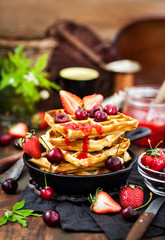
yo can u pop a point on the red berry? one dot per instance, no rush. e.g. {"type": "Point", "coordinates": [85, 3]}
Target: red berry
{"type": "Point", "coordinates": [154, 159]}
{"type": "Point", "coordinates": [38, 121]}
{"type": "Point", "coordinates": [92, 100]}
{"type": "Point", "coordinates": [31, 146]}
{"type": "Point", "coordinates": [5, 139]}
{"type": "Point", "coordinates": [146, 160]}
{"type": "Point", "coordinates": [81, 114]}
{"type": "Point", "coordinates": [129, 213]}
{"type": "Point", "coordinates": [55, 155]}
{"type": "Point", "coordinates": [157, 164]}
{"type": "Point", "coordinates": [61, 117]}
{"type": "Point", "coordinates": [70, 101]}
{"type": "Point", "coordinates": [103, 203]}
{"type": "Point", "coordinates": [51, 217]}
{"type": "Point", "coordinates": [113, 163]}
{"type": "Point", "coordinates": [96, 108]}
{"type": "Point", "coordinates": [47, 193]}
{"type": "Point", "coordinates": [10, 185]}
{"type": "Point", "coordinates": [18, 130]}
{"type": "Point", "coordinates": [16, 143]}
{"type": "Point", "coordinates": [111, 109]}
{"type": "Point", "coordinates": [100, 116]}
{"type": "Point", "coordinates": [131, 195]}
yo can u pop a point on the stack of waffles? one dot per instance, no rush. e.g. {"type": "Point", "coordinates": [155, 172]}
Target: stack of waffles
{"type": "Point", "coordinates": [85, 144]}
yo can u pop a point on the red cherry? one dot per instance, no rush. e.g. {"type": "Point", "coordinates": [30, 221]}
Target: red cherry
{"type": "Point", "coordinates": [55, 155]}
{"type": "Point", "coordinates": [95, 109]}
{"type": "Point", "coordinates": [47, 193]}
{"type": "Point", "coordinates": [16, 144]}
{"type": "Point", "coordinates": [81, 114]}
{"type": "Point", "coordinates": [100, 116]}
{"type": "Point", "coordinates": [61, 118]}
{"type": "Point", "coordinates": [10, 185]}
{"type": "Point", "coordinates": [5, 139]}
{"type": "Point", "coordinates": [129, 213]}
{"type": "Point", "coordinates": [63, 173]}
{"type": "Point", "coordinates": [51, 217]}
{"type": "Point", "coordinates": [111, 109]}
{"type": "Point", "coordinates": [113, 163]}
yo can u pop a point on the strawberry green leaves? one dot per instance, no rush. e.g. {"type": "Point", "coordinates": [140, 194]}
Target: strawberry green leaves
{"type": "Point", "coordinates": [16, 214]}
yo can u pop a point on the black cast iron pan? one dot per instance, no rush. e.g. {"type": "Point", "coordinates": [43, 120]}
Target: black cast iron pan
{"type": "Point", "coordinates": [83, 185]}
{"type": "Point", "coordinates": [80, 185]}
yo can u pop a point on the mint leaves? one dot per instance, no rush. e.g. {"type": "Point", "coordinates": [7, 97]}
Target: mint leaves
{"type": "Point", "coordinates": [17, 215]}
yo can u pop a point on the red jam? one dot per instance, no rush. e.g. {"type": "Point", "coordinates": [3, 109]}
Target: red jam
{"type": "Point", "coordinates": [87, 130]}
{"type": "Point", "coordinates": [157, 126]}
{"type": "Point", "coordinates": [140, 104]}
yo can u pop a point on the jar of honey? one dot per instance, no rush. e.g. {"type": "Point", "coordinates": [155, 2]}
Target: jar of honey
{"type": "Point", "coordinates": [139, 103]}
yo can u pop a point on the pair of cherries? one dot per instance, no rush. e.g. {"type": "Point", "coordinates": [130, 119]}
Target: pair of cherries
{"type": "Point", "coordinates": [98, 112]}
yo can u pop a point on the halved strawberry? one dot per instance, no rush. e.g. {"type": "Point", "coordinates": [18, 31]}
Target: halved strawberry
{"type": "Point", "coordinates": [103, 203]}
{"type": "Point", "coordinates": [92, 100]}
{"type": "Point", "coordinates": [18, 130]}
{"type": "Point", "coordinates": [70, 101]}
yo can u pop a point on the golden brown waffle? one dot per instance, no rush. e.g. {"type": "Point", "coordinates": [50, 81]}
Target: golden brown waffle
{"type": "Point", "coordinates": [95, 157]}
{"type": "Point", "coordinates": [77, 129]}
{"type": "Point", "coordinates": [53, 139]}
{"type": "Point", "coordinates": [69, 168]}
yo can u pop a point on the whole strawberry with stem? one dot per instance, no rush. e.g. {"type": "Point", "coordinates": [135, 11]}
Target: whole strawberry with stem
{"type": "Point", "coordinates": [131, 195]}
{"type": "Point", "coordinates": [154, 158]}
{"type": "Point", "coordinates": [102, 203]}
{"type": "Point", "coordinates": [31, 145]}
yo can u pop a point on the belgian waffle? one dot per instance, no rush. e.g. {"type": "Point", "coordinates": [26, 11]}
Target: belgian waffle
{"type": "Point", "coordinates": [78, 129]}
{"type": "Point", "coordinates": [69, 168]}
{"type": "Point", "coordinates": [53, 139]}
{"type": "Point", "coordinates": [96, 157]}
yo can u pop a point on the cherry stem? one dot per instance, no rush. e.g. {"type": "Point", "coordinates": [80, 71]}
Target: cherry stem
{"type": "Point", "coordinates": [45, 143]}
{"type": "Point", "coordinates": [119, 145]}
{"type": "Point", "coordinates": [46, 186]}
{"type": "Point", "coordinates": [149, 141]}
{"type": "Point", "coordinates": [1, 180]}
{"type": "Point", "coordinates": [89, 102]}
{"type": "Point", "coordinates": [159, 143]}
{"type": "Point", "coordinates": [145, 203]}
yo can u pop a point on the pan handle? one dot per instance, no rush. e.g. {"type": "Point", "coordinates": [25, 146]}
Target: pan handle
{"type": "Point", "coordinates": [138, 133]}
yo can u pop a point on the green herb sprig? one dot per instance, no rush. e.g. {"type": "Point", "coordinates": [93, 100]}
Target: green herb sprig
{"type": "Point", "coordinates": [17, 215]}
{"type": "Point", "coordinates": [21, 81]}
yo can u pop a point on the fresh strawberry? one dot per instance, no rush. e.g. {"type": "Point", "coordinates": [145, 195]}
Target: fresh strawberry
{"type": "Point", "coordinates": [18, 130]}
{"type": "Point", "coordinates": [30, 145]}
{"type": "Point", "coordinates": [92, 100]}
{"type": "Point", "coordinates": [38, 121]}
{"type": "Point", "coordinates": [70, 101]}
{"type": "Point", "coordinates": [131, 195]}
{"type": "Point", "coordinates": [154, 159]}
{"type": "Point", "coordinates": [103, 203]}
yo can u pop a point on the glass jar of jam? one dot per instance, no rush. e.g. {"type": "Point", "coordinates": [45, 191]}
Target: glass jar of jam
{"type": "Point", "coordinates": [139, 104]}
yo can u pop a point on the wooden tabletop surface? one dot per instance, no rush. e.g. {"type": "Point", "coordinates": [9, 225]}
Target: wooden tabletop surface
{"type": "Point", "coordinates": [36, 229]}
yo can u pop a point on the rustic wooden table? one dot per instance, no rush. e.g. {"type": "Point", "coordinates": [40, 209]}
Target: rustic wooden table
{"type": "Point", "coordinates": [36, 229]}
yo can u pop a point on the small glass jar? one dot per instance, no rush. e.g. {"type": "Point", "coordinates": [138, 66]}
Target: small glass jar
{"type": "Point", "coordinates": [139, 104]}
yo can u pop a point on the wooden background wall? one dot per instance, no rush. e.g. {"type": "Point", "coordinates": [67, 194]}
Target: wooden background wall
{"type": "Point", "coordinates": [30, 18]}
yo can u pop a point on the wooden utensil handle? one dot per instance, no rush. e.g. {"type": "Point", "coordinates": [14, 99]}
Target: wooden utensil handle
{"type": "Point", "coordinates": [94, 57]}
{"type": "Point", "coordinates": [140, 226]}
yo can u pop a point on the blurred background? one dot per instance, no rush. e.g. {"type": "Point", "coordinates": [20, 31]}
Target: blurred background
{"type": "Point", "coordinates": [39, 38]}
{"type": "Point", "coordinates": [113, 29]}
